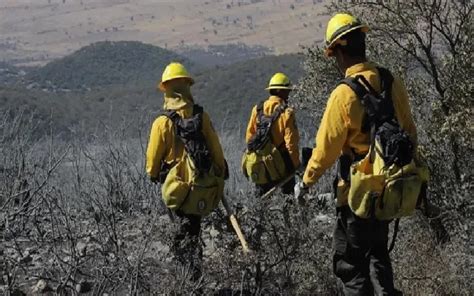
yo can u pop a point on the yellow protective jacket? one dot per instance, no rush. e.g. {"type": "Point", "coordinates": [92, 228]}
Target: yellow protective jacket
{"type": "Point", "coordinates": [163, 145]}
{"type": "Point", "coordinates": [340, 128]}
{"type": "Point", "coordinates": [284, 130]}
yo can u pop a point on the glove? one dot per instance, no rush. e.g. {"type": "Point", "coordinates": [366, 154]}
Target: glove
{"type": "Point", "coordinates": [300, 190]}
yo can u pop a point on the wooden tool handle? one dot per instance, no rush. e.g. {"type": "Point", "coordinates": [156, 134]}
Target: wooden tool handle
{"type": "Point", "coordinates": [274, 188]}
{"type": "Point", "coordinates": [235, 225]}
{"type": "Point", "coordinates": [240, 235]}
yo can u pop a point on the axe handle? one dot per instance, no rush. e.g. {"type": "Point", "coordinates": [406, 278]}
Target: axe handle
{"type": "Point", "coordinates": [274, 188]}
{"type": "Point", "coordinates": [170, 215]}
{"type": "Point", "coordinates": [236, 226]}
{"type": "Point", "coordinates": [238, 231]}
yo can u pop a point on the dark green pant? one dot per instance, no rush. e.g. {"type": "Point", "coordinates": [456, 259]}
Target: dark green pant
{"type": "Point", "coordinates": [361, 259]}
{"type": "Point", "coordinates": [186, 245]}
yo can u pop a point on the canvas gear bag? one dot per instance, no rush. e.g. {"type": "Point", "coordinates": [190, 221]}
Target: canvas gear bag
{"type": "Point", "coordinates": [191, 184]}
{"type": "Point", "coordinates": [262, 162]}
{"type": "Point", "coordinates": [386, 183]}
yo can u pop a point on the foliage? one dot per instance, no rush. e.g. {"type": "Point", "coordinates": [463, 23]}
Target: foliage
{"type": "Point", "coordinates": [9, 74]}
{"type": "Point", "coordinates": [221, 55]}
{"type": "Point", "coordinates": [228, 93]}
{"type": "Point", "coordinates": [321, 76]}
{"type": "Point", "coordinates": [105, 63]}
{"type": "Point", "coordinates": [74, 113]}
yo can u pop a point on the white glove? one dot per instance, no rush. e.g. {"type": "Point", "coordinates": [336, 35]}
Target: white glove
{"type": "Point", "coordinates": [300, 190]}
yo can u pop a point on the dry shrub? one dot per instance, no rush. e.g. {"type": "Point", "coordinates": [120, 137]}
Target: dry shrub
{"type": "Point", "coordinates": [90, 219]}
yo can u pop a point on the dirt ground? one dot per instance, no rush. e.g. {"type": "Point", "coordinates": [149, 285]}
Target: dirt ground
{"type": "Point", "coordinates": [37, 31]}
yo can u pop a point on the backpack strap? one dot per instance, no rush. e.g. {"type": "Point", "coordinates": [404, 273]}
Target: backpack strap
{"type": "Point", "coordinates": [174, 116]}
{"type": "Point", "coordinates": [176, 119]}
{"type": "Point", "coordinates": [260, 108]}
{"type": "Point", "coordinates": [260, 113]}
{"type": "Point", "coordinates": [378, 106]}
{"type": "Point", "coordinates": [386, 83]}
{"type": "Point", "coordinates": [276, 113]}
{"type": "Point", "coordinates": [264, 124]}
{"type": "Point", "coordinates": [198, 109]}
{"type": "Point", "coordinates": [356, 86]}
{"type": "Point", "coordinates": [189, 132]}
{"type": "Point", "coordinates": [166, 167]}
{"type": "Point", "coordinates": [279, 110]}
{"type": "Point", "coordinates": [361, 92]}
{"type": "Point", "coordinates": [171, 114]}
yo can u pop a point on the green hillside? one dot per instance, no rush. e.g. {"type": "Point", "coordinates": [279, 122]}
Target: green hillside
{"type": "Point", "coordinates": [10, 74]}
{"type": "Point", "coordinates": [105, 63]}
{"type": "Point", "coordinates": [121, 78]}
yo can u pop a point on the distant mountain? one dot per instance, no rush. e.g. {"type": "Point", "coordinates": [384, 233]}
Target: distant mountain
{"type": "Point", "coordinates": [104, 64]}
{"type": "Point", "coordinates": [122, 78]}
{"type": "Point", "coordinates": [10, 74]}
{"type": "Point", "coordinates": [35, 32]}
{"type": "Point", "coordinates": [227, 54]}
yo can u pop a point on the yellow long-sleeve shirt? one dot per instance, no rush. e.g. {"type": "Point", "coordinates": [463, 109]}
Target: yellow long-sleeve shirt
{"type": "Point", "coordinates": [164, 145]}
{"type": "Point", "coordinates": [340, 128]}
{"type": "Point", "coordinates": [284, 130]}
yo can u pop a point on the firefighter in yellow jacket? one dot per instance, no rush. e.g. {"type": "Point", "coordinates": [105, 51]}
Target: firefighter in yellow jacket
{"type": "Point", "coordinates": [164, 150]}
{"type": "Point", "coordinates": [361, 259]}
{"type": "Point", "coordinates": [284, 132]}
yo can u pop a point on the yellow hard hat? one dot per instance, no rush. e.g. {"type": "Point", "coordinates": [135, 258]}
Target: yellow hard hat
{"type": "Point", "coordinates": [279, 81]}
{"type": "Point", "coordinates": [339, 25]}
{"type": "Point", "coordinates": [174, 71]}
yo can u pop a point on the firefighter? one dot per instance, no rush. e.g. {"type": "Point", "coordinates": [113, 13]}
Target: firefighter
{"type": "Point", "coordinates": [166, 149]}
{"type": "Point", "coordinates": [275, 115]}
{"type": "Point", "coordinates": [361, 259]}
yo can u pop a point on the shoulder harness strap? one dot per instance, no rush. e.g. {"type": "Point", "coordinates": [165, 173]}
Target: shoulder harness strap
{"type": "Point", "coordinates": [378, 106]}
{"type": "Point", "coordinates": [260, 113]}
{"type": "Point", "coordinates": [386, 82]}
{"type": "Point", "coordinates": [370, 98]}
{"type": "Point", "coordinates": [174, 117]}
{"type": "Point", "coordinates": [184, 128]}
{"type": "Point", "coordinates": [278, 111]}
{"type": "Point", "coordinates": [197, 109]}
{"type": "Point", "coordinates": [275, 115]}
{"type": "Point", "coordinates": [171, 114]}
{"type": "Point", "coordinates": [356, 86]}
{"type": "Point", "coordinates": [264, 124]}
